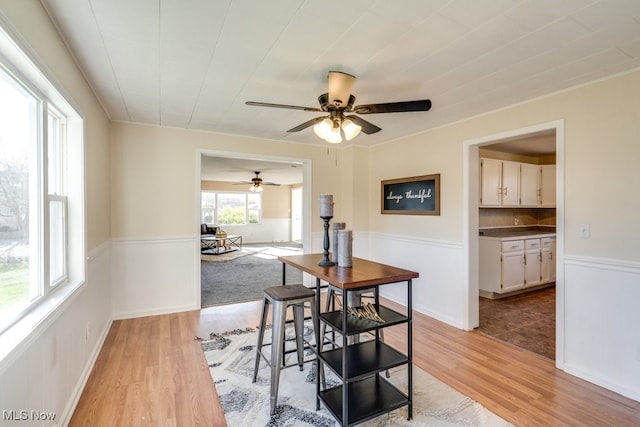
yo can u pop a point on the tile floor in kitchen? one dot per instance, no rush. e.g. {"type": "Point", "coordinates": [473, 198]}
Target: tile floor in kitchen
{"type": "Point", "coordinates": [526, 320]}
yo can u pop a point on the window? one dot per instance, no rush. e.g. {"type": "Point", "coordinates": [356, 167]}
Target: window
{"type": "Point", "coordinates": [230, 208]}
{"type": "Point", "coordinates": [40, 146]}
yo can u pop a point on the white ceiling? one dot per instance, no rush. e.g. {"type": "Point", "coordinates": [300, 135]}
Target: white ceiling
{"type": "Point", "coordinates": [243, 170]}
{"type": "Point", "coordinates": [193, 64]}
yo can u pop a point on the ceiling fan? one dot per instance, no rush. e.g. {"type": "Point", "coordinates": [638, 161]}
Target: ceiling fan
{"type": "Point", "coordinates": [257, 183]}
{"type": "Point", "coordinates": [339, 101]}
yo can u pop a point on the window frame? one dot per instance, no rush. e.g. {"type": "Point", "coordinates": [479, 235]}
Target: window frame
{"type": "Point", "coordinates": [215, 220]}
{"type": "Point", "coordinates": [23, 71]}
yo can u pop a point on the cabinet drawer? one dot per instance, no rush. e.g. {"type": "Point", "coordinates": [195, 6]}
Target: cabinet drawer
{"type": "Point", "coordinates": [547, 242]}
{"type": "Point", "coordinates": [513, 245]}
{"type": "Point", "coordinates": [532, 243]}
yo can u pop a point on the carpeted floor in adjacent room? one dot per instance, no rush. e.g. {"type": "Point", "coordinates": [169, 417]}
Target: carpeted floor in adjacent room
{"type": "Point", "coordinates": [244, 275]}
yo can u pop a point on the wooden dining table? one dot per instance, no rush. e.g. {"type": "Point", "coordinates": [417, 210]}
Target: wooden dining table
{"type": "Point", "coordinates": [363, 394]}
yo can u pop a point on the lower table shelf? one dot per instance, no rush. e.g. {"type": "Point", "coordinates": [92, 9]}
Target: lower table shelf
{"type": "Point", "coordinates": [368, 399]}
{"type": "Point", "coordinates": [364, 358]}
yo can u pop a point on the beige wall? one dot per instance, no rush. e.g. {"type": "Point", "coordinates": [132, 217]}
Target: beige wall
{"type": "Point", "coordinates": [602, 127]}
{"type": "Point", "coordinates": [155, 183]}
{"type": "Point", "coordinates": [276, 200]}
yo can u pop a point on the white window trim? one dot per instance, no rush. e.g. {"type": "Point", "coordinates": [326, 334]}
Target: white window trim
{"type": "Point", "coordinates": [19, 60]}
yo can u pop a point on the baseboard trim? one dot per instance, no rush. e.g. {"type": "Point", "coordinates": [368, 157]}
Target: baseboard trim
{"type": "Point", "coordinates": [155, 312]}
{"type": "Point", "coordinates": [84, 377]}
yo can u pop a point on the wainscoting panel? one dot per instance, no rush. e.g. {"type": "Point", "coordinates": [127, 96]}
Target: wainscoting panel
{"type": "Point", "coordinates": [440, 291]}
{"type": "Point", "coordinates": [48, 370]}
{"type": "Point", "coordinates": [602, 342]}
{"type": "Point", "coordinates": [269, 230]}
{"type": "Point", "coordinates": [155, 276]}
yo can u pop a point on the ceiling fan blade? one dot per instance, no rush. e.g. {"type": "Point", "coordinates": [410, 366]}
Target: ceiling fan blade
{"type": "Point", "coordinates": [307, 124]}
{"type": "Point", "coordinates": [289, 107]}
{"type": "Point", "coordinates": [393, 107]}
{"type": "Point", "coordinates": [367, 127]}
{"type": "Point", "coordinates": [340, 86]}
{"type": "Point", "coordinates": [271, 183]}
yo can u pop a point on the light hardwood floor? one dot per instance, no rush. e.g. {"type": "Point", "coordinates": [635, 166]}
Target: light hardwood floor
{"type": "Point", "coordinates": [151, 371]}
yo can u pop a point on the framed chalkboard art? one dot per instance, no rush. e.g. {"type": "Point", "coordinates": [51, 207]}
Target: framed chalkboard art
{"type": "Point", "coordinates": [418, 195]}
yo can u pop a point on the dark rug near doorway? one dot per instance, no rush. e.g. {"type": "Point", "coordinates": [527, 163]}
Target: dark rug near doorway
{"type": "Point", "coordinates": [526, 320]}
{"type": "Point", "coordinates": [244, 278]}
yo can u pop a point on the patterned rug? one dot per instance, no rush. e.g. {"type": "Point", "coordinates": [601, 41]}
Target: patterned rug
{"type": "Point", "coordinates": [231, 359]}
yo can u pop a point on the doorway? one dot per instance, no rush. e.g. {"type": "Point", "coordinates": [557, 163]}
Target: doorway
{"type": "Point", "coordinates": [472, 150]}
{"type": "Point", "coordinates": [266, 230]}
{"type": "Point", "coordinates": [296, 214]}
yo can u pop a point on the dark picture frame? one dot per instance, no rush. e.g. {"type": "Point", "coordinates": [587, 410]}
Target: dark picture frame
{"type": "Point", "coordinates": [416, 195]}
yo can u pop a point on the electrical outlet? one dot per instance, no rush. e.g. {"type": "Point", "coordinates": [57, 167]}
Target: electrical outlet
{"type": "Point", "coordinates": [584, 231]}
{"type": "Point", "coordinates": [87, 331]}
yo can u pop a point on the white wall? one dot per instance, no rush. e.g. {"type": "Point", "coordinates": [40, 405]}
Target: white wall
{"type": "Point", "coordinates": [269, 230]}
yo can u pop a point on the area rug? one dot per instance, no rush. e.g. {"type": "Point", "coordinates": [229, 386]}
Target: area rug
{"type": "Point", "coordinates": [244, 278]}
{"type": "Point", "coordinates": [231, 359]}
{"type": "Point", "coordinates": [209, 256]}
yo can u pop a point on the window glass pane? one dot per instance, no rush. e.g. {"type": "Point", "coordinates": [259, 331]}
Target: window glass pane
{"type": "Point", "coordinates": [254, 207]}
{"type": "Point", "coordinates": [231, 208]}
{"type": "Point", "coordinates": [55, 154]}
{"type": "Point", "coordinates": [57, 241]}
{"type": "Point", "coordinates": [19, 200]}
{"type": "Point", "coordinates": [208, 207]}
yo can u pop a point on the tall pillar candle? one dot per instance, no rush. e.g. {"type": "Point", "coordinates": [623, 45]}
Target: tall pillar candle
{"type": "Point", "coordinates": [326, 205]}
{"type": "Point", "coordinates": [337, 226]}
{"type": "Point", "coordinates": [345, 257]}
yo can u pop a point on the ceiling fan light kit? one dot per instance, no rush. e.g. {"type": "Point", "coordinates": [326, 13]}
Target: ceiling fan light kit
{"type": "Point", "coordinates": [333, 130]}
{"type": "Point", "coordinates": [339, 100]}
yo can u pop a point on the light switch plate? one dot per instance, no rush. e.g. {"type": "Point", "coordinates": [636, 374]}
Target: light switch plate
{"type": "Point", "coordinates": [584, 231]}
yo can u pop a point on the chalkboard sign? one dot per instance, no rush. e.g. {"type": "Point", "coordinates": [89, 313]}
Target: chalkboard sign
{"type": "Point", "coordinates": [418, 195]}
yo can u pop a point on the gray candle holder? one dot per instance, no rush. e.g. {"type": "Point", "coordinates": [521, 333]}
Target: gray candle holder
{"type": "Point", "coordinates": [326, 262]}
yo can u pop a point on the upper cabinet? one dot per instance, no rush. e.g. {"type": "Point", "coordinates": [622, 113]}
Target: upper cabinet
{"type": "Point", "coordinates": [490, 182]}
{"type": "Point", "coordinates": [547, 191]}
{"type": "Point", "coordinates": [513, 184]}
{"type": "Point", "coordinates": [500, 183]}
{"type": "Point", "coordinates": [529, 185]}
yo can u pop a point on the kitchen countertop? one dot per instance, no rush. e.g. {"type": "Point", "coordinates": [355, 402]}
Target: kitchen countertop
{"type": "Point", "coordinates": [518, 232]}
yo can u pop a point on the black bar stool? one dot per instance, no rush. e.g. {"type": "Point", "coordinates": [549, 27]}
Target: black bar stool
{"type": "Point", "coordinates": [281, 298]}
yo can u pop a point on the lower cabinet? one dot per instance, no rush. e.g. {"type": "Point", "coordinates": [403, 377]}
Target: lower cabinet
{"type": "Point", "coordinates": [548, 260]}
{"type": "Point", "coordinates": [512, 265]}
{"type": "Point", "coordinates": [532, 262]}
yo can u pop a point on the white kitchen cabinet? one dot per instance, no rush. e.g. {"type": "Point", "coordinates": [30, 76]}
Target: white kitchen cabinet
{"type": "Point", "coordinates": [499, 183]}
{"type": "Point", "coordinates": [508, 265]}
{"type": "Point", "coordinates": [513, 267]}
{"type": "Point", "coordinates": [510, 184]}
{"type": "Point", "coordinates": [548, 260]}
{"type": "Point", "coordinates": [547, 189]}
{"type": "Point", "coordinates": [532, 260]}
{"type": "Point", "coordinates": [529, 186]}
{"type": "Point", "coordinates": [490, 182]}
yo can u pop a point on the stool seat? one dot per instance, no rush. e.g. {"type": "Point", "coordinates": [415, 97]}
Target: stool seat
{"type": "Point", "coordinates": [288, 292]}
{"type": "Point", "coordinates": [281, 298]}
